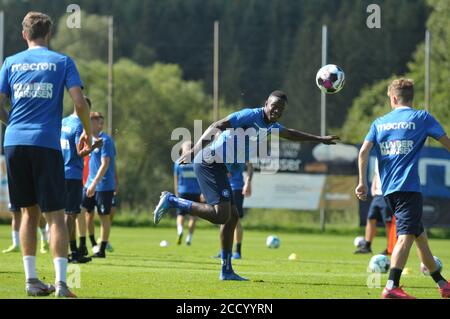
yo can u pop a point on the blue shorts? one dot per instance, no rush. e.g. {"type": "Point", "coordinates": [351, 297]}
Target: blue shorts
{"type": "Point", "coordinates": [191, 197]}
{"type": "Point", "coordinates": [379, 209]}
{"type": "Point", "coordinates": [101, 200]}
{"type": "Point", "coordinates": [239, 201]}
{"type": "Point", "coordinates": [408, 208]}
{"type": "Point", "coordinates": [213, 181]}
{"type": "Point", "coordinates": [73, 196]}
{"type": "Point", "coordinates": [35, 176]}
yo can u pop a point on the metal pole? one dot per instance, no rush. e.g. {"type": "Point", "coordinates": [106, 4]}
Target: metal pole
{"type": "Point", "coordinates": [216, 72]}
{"type": "Point", "coordinates": [2, 34]}
{"type": "Point", "coordinates": [427, 70]}
{"type": "Point", "coordinates": [427, 73]}
{"type": "Point", "coordinates": [110, 72]}
{"type": "Point", "coordinates": [323, 129]}
{"type": "Point", "coordinates": [323, 97]}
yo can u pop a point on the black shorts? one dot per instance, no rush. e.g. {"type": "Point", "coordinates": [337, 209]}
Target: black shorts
{"type": "Point", "coordinates": [213, 181]}
{"type": "Point", "coordinates": [191, 197]}
{"type": "Point", "coordinates": [114, 201]}
{"type": "Point", "coordinates": [408, 208]}
{"type": "Point", "coordinates": [239, 201]}
{"type": "Point", "coordinates": [73, 196]}
{"type": "Point", "coordinates": [380, 209]}
{"type": "Point", "coordinates": [35, 176]}
{"type": "Point", "coordinates": [102, 200]}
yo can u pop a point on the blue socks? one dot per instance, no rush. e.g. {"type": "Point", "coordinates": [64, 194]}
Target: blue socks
{"type": "Point", "coordinates": [180, 203]}
{"type": "Point", "coordinates": [226, 262]}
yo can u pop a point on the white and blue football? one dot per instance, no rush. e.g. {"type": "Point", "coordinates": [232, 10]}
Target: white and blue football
{"type": "Point", "coordinates": [424, 270]}
{"type": "Point", "coordinates": [272, 241]}
{"type": "Point", "coordinates": [379, 264]}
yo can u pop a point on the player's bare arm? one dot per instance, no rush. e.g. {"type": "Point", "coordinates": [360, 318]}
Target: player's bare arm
{"type": "Point", "coordinates": [101, 172]}
{"type": "Point", "coordinates": [445, 141]}
{"type": "Point", "coordinates": [247, 189]}
{"type": "Point", "coordinates": [374, 185]}
{"type": "Point", "coordinates": [116, 177]}
{"type": "Point", "coordinates": [206, 138]}
{"type": "Point", "coordinates": [298, 136]}
{"type": "Point", "coordinates": [82, 111]}
{"type": "Point", "coordinates": [4, 115]}
{"type": "Point", "coordinates": [363, 159]}
{"type": "Point", "coordinates": [175, 184]}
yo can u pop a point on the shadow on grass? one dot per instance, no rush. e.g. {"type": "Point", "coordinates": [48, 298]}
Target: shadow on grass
{"type": "Point", "coordinates": [172, 260]}
{"type": "Point", "coordinates": [329, 284]}
{"type": "Point", "coordinates": [172, 266]}
{"type": "Point", "coordinates": [11, 272]}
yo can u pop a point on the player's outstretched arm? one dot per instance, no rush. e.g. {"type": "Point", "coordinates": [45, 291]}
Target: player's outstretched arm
{"type": "Point", "coordinates": [445, 141]}
{"type": "Point", "coordinates": [363, 160]}
{"type": "Point", "coordinates": [294, 135]}
{"type": "Point", "coordinates": [206, 138]}
{"type": "Point", "coordinates": [4, 115]}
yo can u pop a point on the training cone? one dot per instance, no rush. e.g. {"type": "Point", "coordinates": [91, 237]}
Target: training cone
{"type": "Point", "coordinates": [406, 271]}
{"type": "Point", "coordinates": [292, 256]}
{"type": "Point", "coordinates": [392, 236]}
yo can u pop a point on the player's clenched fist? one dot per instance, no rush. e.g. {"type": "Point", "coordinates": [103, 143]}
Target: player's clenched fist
{"type": "Point", "coordinates": [361, 192]}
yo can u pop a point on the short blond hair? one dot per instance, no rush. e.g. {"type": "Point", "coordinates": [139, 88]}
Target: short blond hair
{"type": "Point", "coordinates": [37, 25]}
{"type": "Point", "coordinates": [403, 89]}
{"type": "Point", "coordinates": [96, 115]}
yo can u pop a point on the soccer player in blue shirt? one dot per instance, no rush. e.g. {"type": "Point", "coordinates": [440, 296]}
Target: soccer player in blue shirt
{"type": "Point", "coordinates": [241, 188]}
{"type": "Point", "coordinates": [100, 186]}
{"type": "Point", "coordinates": [185, 186]}
{"type": "Point", "coordinates": [378, 209]}
{"type": "Point", "coordinates": [73, 152]}
{"type": "Point", "coordinates": [34, 81]}
{"type": "Point", "coordinates": [398, 138]}
{"type": "Point", "coordinates": [211, 172]}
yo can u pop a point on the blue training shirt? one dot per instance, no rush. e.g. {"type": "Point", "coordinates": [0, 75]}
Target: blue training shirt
{"type": "Point", "coordinates": [71, 131]}
{"type": "Point", "coordinates": [34, 80]}
{"type": "Point", "coordinates": [398, 138]}
{"type": "Point", "coordinates": [187, 181]}
{"type": "Point", "coordinates": [236, 176]}
{"type": "Point", "coordinates": [241, 145]}
{"type": "Point", "coordinates": [108, 182]}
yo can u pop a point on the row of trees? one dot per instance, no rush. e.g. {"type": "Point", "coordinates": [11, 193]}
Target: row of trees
{"type": "Point", "coordinates": [164, 65]}
{"type": "Point", "coordinates": [264, 44]}
{"type": "Point", "coordinates": [373, 102]}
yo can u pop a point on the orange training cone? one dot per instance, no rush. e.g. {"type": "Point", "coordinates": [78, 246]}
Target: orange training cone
{"type": "Point", "coordinates": [392, 236]}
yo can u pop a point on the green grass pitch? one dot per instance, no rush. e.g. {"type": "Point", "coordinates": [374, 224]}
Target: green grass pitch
{"type": "Point", "coordinates": [140, 268]}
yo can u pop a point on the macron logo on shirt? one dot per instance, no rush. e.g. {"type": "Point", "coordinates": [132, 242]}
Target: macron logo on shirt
{"type": "Point", "coordinates": [396, 126]}
{"type": "Point", "coordinates": [24, 67]}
